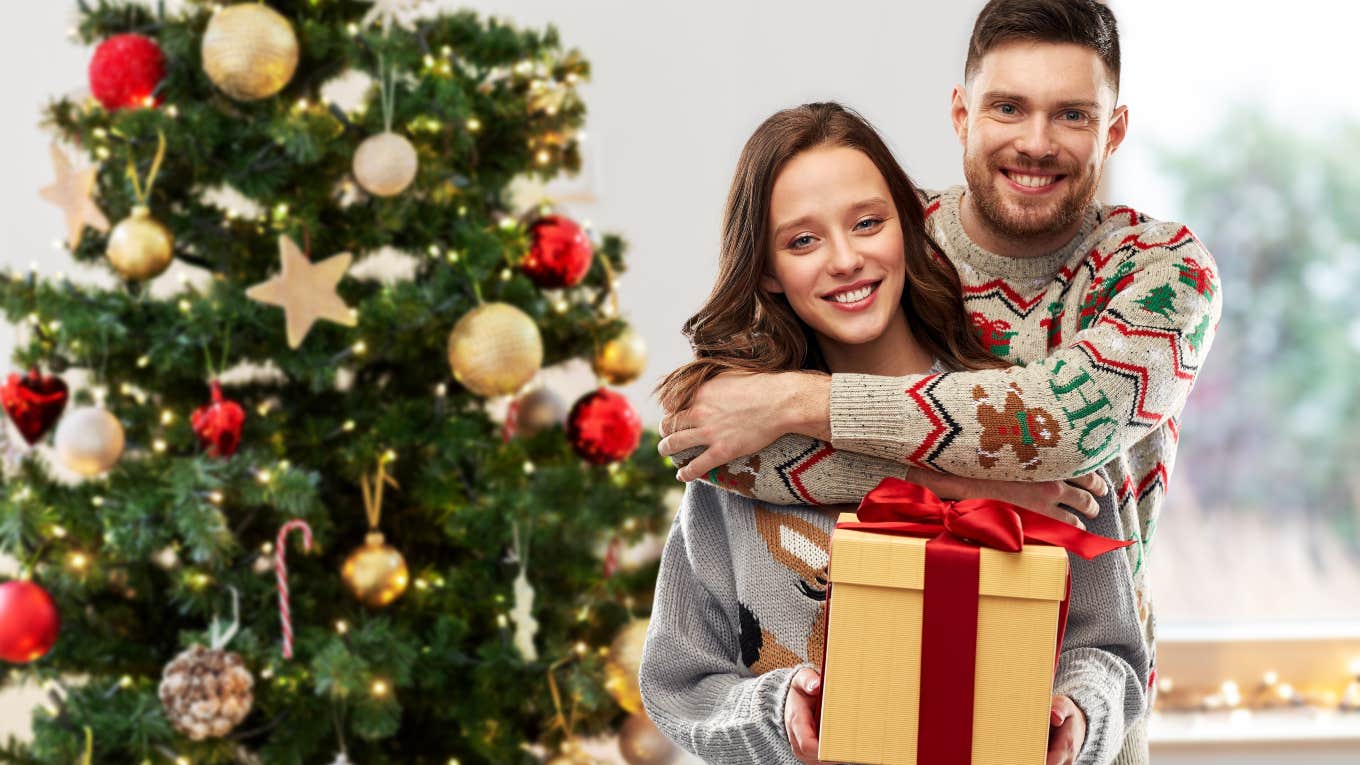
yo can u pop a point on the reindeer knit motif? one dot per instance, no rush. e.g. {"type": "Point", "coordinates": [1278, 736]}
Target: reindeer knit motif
{"type": "Point", "coordinates": [739, 609]}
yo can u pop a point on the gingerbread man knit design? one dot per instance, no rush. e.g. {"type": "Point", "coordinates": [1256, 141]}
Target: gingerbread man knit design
{"type": "Point", "coordinates": [1017, 426]}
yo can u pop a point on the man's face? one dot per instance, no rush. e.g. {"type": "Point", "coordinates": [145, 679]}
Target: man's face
{"type": "Point", "coordinates": [1037, 122]}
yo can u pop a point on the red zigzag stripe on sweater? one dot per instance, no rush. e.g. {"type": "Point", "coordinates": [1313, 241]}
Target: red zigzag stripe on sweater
{"type": "Point", "coordinates": [938, 430]}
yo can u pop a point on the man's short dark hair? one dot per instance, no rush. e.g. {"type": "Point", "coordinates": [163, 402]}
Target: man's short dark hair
{"type": "Point", "coordinates": [1088, 23]}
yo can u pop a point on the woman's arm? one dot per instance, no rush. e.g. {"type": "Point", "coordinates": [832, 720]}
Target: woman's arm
{"type": "Point", "coordinates": [693, 683]}
{"type": "Point", "coordinates": [1104, 663]}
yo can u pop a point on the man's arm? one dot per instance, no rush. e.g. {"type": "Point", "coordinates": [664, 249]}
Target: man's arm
{"type": "Point", "coordinates": [1128, 370]}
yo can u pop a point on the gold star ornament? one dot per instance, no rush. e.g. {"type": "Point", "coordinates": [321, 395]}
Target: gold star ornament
{"type": "Point", "coordinates": [305, 291]}
{"type": "Point", "coordinates": [73, 193]}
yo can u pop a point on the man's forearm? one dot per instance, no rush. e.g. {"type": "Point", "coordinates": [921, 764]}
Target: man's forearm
{"type": "Point", "coordinates": [808, 398]}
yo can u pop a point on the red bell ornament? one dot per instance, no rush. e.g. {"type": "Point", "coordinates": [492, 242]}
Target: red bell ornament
{"type": "Point", "coordinates": [219, 424]}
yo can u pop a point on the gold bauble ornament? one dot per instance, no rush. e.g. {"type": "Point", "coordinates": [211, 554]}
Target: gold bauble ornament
{"type": "Point", "coordinates": [621, 360]}
{"type": "Point", "coordinates": [623, 665]}
{"type": "Point", "coordinates": [641, 743]}
{"type": "Point", "coordinates": [495, 349]}
{"type": "Point", "coordinates": [89, 440]}
{"type": "Point", "coordinates": [385, 164]}
{"type": "Point", "coordinates": [376, 572]}
{"type": "Point", "coordinates": [140, 247]}
{"type": "Point", "coordinates": [249, 51]}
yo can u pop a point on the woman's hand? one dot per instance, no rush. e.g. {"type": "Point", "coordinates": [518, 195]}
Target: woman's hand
{"type": "Point", "coordinates": [1066, 732]}
{"type": "Point", "coordinates": [1056, 499]}
{"type": "Point", "coordinates": [801, 710]}
{"type": "Point", "coordinates": [733, 415]}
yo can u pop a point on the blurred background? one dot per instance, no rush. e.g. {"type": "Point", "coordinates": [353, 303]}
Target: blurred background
{"type": "Point", "coordinates": [1244, 125]}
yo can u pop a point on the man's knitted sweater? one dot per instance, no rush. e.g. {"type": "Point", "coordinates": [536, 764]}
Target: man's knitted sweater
{"type": "Point", "coordinates": [1107, 335]}
{"type": "Point", "coordinates": [738, 610]}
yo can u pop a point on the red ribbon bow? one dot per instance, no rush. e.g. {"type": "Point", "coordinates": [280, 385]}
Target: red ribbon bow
{"type": "Point", "coordinates": [949, 620]}
{"type": "Point", "coordinates": [901, 507]}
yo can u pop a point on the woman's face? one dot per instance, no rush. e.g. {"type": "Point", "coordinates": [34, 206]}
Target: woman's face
{"type": "Point", "coordinates": [836, 245]}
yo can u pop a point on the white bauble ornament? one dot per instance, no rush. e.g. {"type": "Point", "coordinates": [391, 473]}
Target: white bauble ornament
{"type": "Point", "coordinates": [89, 440]}
{"type": "Point", "coordinates": [385, 164]}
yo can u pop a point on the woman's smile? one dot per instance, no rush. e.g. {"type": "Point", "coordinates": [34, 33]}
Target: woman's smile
{"type": "Point", "coordinates": [854, 297]}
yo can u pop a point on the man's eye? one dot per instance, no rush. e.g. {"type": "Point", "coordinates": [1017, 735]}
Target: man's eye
{"type": "Point", "coordinates": [1074, 116]}
{"type": "Point", "coordinates": [1006, 108]}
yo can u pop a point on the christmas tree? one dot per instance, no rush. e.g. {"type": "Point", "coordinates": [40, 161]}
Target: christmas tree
{"type": "Point", "coordinates": [281, 519]}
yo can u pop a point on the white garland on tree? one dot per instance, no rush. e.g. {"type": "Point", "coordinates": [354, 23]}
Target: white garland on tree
{"type": "Point", "coordinates": [403, 12]}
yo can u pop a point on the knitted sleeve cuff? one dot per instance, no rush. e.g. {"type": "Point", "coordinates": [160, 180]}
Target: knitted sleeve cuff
{"type": "Point", "coordinates": [869, 415]}
{"type": "Point", "coordinates": [1096, 681]}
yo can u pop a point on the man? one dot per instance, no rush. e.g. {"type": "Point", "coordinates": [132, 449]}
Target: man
{"type": "Point", "coordinates": [1106, 313]}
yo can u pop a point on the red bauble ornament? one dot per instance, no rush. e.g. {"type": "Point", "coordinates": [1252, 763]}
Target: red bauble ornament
{"type": "Point", "coordinates": [29, 622]}
{"type": "Point", "coordinates": [604, 427]}
{"type": "Point", "coordinates": [218, 424]}
{"type": "Point", "coordinates": [559, 252]}
{"type": "Point", "coordinates": [125, 71]}
{"type": "Point", "coordinates": [34, 402]}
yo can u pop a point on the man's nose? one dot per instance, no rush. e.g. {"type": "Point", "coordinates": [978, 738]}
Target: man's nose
{"type": "Point", "coordinates": [1036, 138]}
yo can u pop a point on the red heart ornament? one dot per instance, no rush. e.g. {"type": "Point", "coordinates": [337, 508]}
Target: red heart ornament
{"type": "Point", "coordinates": [34, 402]}
{"type": "Point", "coordinates": [218, 424]}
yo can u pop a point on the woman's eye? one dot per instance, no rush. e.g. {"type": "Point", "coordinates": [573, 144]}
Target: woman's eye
{"type": "Point", "coordinates": [801, 242]}
{"type": "Point", "coordinates": [868, 223]}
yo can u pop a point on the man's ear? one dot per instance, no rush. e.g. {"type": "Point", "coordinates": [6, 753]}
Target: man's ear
{"type": "Point", "coordinates": [769, 283]}
{"type": "Point", "coordinates": [1119, 127]}
{"type": "Point", "coordinates": [958, 113]}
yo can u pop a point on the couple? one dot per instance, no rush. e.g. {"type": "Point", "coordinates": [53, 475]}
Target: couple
{"type": "Point", "coordinates": [1012, 339]}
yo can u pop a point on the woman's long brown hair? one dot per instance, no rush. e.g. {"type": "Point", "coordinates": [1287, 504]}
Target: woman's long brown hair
{"type": "Point", "coordinates": [742, 327]}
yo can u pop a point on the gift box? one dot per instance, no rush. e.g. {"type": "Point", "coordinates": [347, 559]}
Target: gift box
{"type": "Point", "coordinates": [943, 629]}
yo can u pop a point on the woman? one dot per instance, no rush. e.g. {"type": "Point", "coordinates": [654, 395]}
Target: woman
{"type": "Point", "coordinates": [826, 266]}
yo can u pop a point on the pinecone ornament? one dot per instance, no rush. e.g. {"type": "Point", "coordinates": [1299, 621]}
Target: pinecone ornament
{"type": "Point", "coordinates": [206, 692]}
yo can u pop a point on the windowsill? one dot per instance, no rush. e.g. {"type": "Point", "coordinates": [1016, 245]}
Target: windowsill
{"type": "Point", "coordinates": [1244, 726]}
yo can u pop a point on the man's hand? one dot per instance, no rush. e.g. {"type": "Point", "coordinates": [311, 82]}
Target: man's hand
{"type": "Point", "coordinates": [801, 711]}
{"type": "Point", "coordinates": [737, 413]}
{"type": "Point", "coordinates": [1066, 732]}
{"type": "Point", "coordinates": [1056, 499]}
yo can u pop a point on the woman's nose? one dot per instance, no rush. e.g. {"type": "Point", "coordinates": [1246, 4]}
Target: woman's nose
{"type": "Point", "coordinates": [844, 257]}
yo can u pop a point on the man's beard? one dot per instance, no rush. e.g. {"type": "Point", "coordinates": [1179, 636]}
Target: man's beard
{"type": "Point", "coordinates": [1028, 222]}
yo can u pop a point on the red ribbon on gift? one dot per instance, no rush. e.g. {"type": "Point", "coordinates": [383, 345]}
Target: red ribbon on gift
{"type": "Point", "coordinates": [958, 531]}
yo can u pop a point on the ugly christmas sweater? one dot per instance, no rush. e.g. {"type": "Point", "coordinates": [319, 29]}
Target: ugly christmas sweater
{"type": "Point", "coordinates": [1107, 335]}
{"type": "Point", "coordinates": [739, 609]}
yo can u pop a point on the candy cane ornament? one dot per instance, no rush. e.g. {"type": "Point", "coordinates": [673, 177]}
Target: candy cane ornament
{"type": "Point", "coordinates": [281, 570]}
